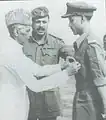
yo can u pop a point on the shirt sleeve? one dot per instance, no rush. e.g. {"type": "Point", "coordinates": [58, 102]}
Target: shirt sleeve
{"type": "Point", "coordinates": [48, 70]}
{"type": "Point", "coordinates": [97, 63]}
{"type": "Point", "coordinates": [26, 69]}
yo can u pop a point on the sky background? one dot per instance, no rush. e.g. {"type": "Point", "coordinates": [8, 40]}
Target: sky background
{"type": "Point", "coordinates": [57, 26]}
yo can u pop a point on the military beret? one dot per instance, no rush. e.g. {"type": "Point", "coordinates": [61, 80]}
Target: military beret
{"type": "Point", "coordinates": [79, 8]}
{"type": "Point", "coordinates": [40, 12]}
{"type": "Point", "coordinates": [18, 16]}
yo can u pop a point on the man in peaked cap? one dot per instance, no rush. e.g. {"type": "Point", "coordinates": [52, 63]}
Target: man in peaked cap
{"type": "Point", "coordinates": [43, 49]}
{"type": "Point", "coordinates": [17, 71]}
{"type": "Point", "coordinates": [90, 99]}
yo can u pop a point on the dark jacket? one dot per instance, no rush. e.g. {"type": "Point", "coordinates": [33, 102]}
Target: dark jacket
{"type": "Point", "coordinates": [87, 101]}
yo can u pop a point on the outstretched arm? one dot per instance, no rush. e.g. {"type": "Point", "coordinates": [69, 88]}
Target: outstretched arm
{"type": "Point", "coordinates": [26, 69]}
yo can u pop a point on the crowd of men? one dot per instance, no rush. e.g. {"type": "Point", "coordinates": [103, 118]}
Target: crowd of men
{"type": "Point", "coordinates": [36, 57]}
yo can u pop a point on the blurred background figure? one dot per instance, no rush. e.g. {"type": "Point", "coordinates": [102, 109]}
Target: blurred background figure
{"type": "Point", "coordinates": [104, 44]}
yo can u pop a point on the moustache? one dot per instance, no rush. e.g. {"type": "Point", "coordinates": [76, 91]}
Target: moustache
{"type": "Point", "coordinates": [41, 28]}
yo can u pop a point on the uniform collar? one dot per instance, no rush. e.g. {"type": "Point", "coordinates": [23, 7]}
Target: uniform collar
{"type": "Point", "coordinates": [81, 39]}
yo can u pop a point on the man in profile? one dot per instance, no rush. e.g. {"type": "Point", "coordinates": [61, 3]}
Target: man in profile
{"type": "Point", "coordinates": [17, 71]}
{"type": "Point", "coordinates": [90, 98]}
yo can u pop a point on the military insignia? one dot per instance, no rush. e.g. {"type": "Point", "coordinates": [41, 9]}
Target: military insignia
{"type": "Point", "coordinates": [18, 16]}
{"type": "Point", "coordinates": [42, 13]}
{"type": "Point", "coordinates": [26, 15]}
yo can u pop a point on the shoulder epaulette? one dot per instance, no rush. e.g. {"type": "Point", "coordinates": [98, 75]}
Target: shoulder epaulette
{"type": "Point", "coordinates": [56, 37]}
{"type": "Point", "coordinates": [94, 42]}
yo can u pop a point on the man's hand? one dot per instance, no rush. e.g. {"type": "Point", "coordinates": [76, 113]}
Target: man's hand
{"type": "Point", "coordinates": [71, 65]}
{"type": "Point", "coordinates": [102, 93]}
{"type": "Point", "coordinates": [73, 68]}
{"type": "Point", "coordinates": [104, 110]}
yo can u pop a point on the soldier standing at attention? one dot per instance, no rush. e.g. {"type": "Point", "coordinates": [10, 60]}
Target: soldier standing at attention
{"type": "Point", "coordinates": [90, 99]}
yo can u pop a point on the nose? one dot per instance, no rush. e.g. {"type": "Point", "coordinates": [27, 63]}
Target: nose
{"type": "Point", "coordinates": [70, 24]}
{"type": "Point", "coordinates": [41, 24]}
{"type": "Point", "coordinates": [28, 29]}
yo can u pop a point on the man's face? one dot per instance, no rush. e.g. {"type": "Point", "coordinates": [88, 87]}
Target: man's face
{"type": "Point", "coordinates": [23, 33]}
{"type": "Point", "coordinates": [75, 23]}
{"type": "Point", "coordinates": [40, 26]}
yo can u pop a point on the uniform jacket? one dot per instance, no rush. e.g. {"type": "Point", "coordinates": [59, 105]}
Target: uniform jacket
{"type": "Point", "coordinates": [89, 53]}
{"type": "Point", "coordinates": [44, 54]}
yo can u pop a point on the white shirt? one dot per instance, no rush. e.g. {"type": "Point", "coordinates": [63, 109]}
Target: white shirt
{"type": "Point", "coordinates": [16, 72]}
{"type": "Point", "coordinates": [14, 59]}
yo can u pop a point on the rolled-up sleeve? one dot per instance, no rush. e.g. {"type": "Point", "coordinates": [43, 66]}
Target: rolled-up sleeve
{"type": "Point", "coordinates": [97, 64]}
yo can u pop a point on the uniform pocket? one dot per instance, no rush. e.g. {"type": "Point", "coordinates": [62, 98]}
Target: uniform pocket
{"type": "Point", "coordinates": [51, 101]}
{"type": "Point", "coordinates": [50, 56]}
{"type": "Point", "coordinates": [51, 51]}
{"type": "Point", "coordinates": [82, 97]}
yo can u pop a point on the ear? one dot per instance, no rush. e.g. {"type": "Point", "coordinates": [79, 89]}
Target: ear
{"type": "Point", "coordinates": [15, 32]}
{"type": "Point", "coordinates": [83, 19]}
{"type": "Point", "coordinates": [48, 20]}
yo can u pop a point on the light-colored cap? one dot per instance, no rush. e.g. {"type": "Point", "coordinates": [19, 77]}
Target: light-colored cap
{"type": "Point", "coordinates": [18, 16]}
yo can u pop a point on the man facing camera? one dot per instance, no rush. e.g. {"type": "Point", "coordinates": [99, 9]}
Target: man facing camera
{"type": "Point", "coordinates": [43, 49]}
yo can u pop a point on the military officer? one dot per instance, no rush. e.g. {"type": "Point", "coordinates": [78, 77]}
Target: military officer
{"type": "Point", "coordinates": [43, 49]}
{"type": "Point", "coordinates": [89, 100]}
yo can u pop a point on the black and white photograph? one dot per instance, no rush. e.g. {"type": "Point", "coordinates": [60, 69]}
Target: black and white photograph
{"type": "Point", "coordinates": [53, 60]}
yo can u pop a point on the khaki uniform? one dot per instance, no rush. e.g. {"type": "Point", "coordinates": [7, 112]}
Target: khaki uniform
{"type": "Point", "coordinates": [45, 104]}
{"type": "Point", "coordinates": [88, 104]}
{"type": "Point", "coordinates": [87, 101]}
